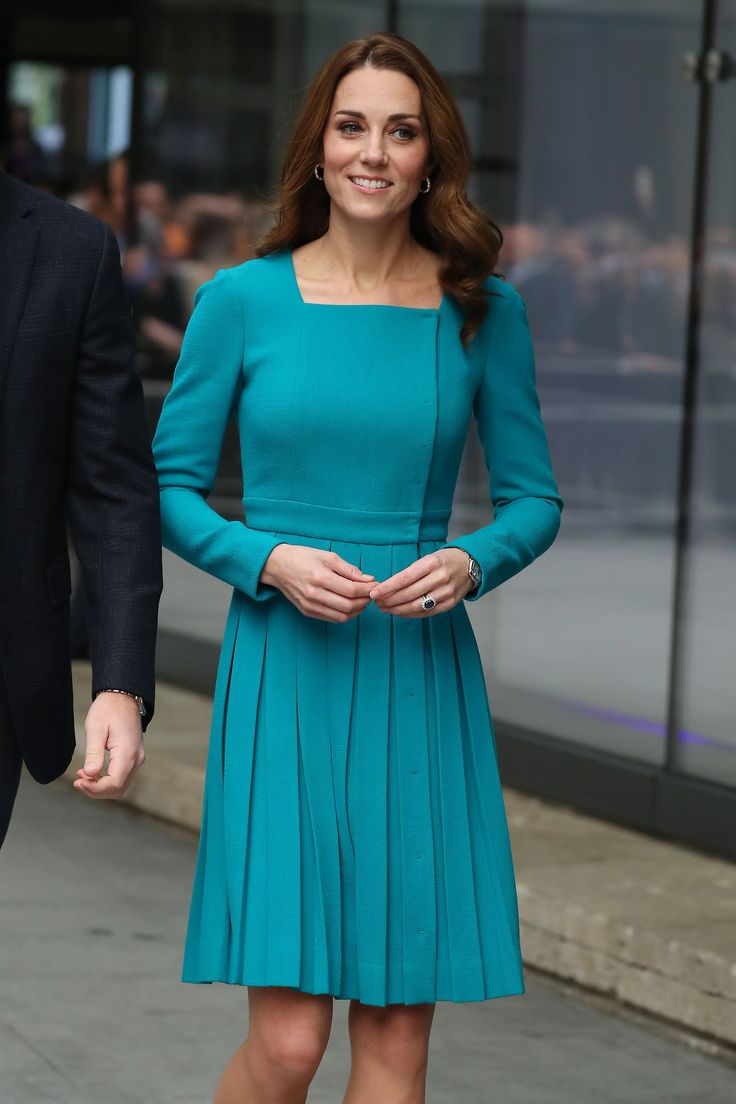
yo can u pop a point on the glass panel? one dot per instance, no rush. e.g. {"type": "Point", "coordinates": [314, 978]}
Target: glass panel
{"type": "Point", "coordinates": [707, 721]}
{"type": "Point", "coordinates": [584, 130]}
{"type": "Point", "coordinates": [64, 122]}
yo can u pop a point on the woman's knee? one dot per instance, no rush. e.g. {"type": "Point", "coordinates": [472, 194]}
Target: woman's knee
{"type": "Point", "coordinates": [288, 1032]}
{"type": "Point", "coordinates": [396, 1036]}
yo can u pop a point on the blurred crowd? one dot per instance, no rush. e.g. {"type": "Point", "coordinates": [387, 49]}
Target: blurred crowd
{"type": "Point", "coordinates": [168, 248]}
{"type": "Point", "coordinates": [603, 287]}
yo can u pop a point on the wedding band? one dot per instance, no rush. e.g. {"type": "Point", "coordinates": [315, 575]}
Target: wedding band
{"type": "Point", "coordinates": [428, 602]}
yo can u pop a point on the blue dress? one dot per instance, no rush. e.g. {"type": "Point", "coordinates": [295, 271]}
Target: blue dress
{"type": "Point", "coordinates": [354, 838]}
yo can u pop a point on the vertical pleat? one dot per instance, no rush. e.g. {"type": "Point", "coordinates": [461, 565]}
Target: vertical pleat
{"type": "Point", "coordinates": [367, 788]}
{"type": "Point", "coordinates": [338, 706]}
{"type": "Point", "coordinates": [412, 835]}
{"type": "Point", "coordinates": [442, 966]}
{"type": "Point", "coordinates": [496, 886]}
{"type": "Point", "coordinates": [281, 807]}
{"type": "Point", "coordinates": [464, 950]}
{"type": "Point", "coordinates": [320, 846]}
{"type": "Point", "coordinates": [239, 750]}
{"type": "Point", "coordinates": [208, 931]}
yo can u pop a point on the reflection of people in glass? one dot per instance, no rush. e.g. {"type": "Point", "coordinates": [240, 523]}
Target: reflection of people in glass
{"type": "Point", "coordinates": [354, 841]}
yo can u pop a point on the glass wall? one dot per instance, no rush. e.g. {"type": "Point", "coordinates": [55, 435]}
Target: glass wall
{"type": "Point", "coordinates": [594, 128]}
{"type": "Point", "coordinates": [706, 731]}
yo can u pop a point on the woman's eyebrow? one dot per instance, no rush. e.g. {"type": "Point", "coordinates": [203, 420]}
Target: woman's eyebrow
{"type": "Point", "coordinates": [390, 118]}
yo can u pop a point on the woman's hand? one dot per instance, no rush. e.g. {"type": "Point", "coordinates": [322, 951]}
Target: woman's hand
{"type": "Point", "coordinates": [320, 583]}
{"type": "Point", "coordinates": [442, 574]}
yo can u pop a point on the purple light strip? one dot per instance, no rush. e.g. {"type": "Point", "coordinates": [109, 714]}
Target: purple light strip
{"type": "Point", "coordinates": [640, 724]}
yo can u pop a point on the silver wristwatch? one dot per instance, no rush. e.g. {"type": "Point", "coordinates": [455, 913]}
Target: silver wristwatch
{"type": "Point", "coordinates": [136, 697]}
{"type": "Point", "coordinates": [475, 573]}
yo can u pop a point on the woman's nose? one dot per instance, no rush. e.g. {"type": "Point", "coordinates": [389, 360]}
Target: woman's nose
{"type": "Point", "coordinates": [374, 150]}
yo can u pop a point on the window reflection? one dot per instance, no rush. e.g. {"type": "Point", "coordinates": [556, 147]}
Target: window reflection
{"type": "Point", "coordinates": [584, 134]}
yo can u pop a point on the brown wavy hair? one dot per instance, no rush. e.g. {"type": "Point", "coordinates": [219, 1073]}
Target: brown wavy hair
{"type": "Point", "coordinates": [444, 220]}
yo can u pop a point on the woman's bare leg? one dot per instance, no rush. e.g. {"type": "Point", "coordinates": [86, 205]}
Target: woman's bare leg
{"type": "Point", "coordinates": [390, 1053]}
{"type": "Point", "coordinates": [288, 1032]}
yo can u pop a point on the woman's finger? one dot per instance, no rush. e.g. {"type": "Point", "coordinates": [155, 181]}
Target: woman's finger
{"type": "Point", "coordinates": [434, 583]}
{"type": "Point", "coordinates": [344, 568]}
{"type": "Point", "coordinates": [326, 611]}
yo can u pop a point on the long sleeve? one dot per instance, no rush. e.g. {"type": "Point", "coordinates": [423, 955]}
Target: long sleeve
{"type": "Point", "coordinates": [112, 497]}
{"type": "Point", "coordinates": [526, 501]}
{"type": "Point", "coordinates": [188, 441]}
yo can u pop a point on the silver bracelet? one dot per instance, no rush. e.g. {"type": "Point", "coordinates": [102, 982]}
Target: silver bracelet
{"type": "Point", "coordinates": [136, 698]}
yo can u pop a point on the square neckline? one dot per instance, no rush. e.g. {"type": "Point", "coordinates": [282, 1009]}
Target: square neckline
{"type": "Point", "coordinates": [427, 311]}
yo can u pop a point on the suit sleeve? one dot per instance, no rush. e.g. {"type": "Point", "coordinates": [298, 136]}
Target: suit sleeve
{"type": "Point", "coordinates": [523, 491]}
{"type": "Point", "coordinates": [112, 495]}
{"type": "Point", "coordinates": [207, 383]}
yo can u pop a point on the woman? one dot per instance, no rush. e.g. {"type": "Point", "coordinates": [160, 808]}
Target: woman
{"type": "Point", "coordinates": [354, 841]}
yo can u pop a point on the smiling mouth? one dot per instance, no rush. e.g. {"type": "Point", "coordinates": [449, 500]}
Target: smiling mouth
{"type": "Point", "coordinates": [370, 184]}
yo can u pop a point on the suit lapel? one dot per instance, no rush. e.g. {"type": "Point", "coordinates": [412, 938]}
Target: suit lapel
{"type": "Point", "coordinates": [18, 237]}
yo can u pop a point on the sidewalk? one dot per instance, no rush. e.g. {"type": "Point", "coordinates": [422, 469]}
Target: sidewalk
{"type": "Point", "coordinates": [650, 923]}
{"type": "Point", "coordinates": [92, 925]}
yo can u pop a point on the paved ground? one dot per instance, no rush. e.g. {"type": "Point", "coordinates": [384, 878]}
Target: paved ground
{"type": "Point", "coordinates": [92, 909]}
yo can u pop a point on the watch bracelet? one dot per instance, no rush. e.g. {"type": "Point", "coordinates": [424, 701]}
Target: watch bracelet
{"type": "Point", "coordinates": [136, 697]}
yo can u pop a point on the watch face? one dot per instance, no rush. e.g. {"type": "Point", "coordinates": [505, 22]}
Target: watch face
{"type": "Point", "coordinates": [474, 571]}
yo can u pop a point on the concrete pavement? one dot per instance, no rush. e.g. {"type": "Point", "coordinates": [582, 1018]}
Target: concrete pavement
{"type": "Point", "coordinates": [93, 900]}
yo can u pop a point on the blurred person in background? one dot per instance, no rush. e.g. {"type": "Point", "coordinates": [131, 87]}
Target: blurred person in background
{"type": "Point", "coordinates": [152, 282]}
{"type": "Point", "coordinates": [73, 445]}
{"type": "Point", "coordinates": [354, 842]}
{"type": "Point", "coordinates": [23, 157]}
{"type": "Point", "coordinates": [541, 271]}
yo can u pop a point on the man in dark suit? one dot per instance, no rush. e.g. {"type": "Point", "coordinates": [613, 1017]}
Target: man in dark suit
{"type": "Point", "coordinates": [73, 449]}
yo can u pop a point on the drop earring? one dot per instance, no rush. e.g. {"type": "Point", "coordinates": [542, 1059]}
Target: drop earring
{"type": "Point", "coordinates": [426, 181]}
{"type": "Point", "coordinates": [319, 172]}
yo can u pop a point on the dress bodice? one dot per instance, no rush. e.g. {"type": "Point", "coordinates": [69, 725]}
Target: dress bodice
{"type": "Point", "coordinates": [352, 422]}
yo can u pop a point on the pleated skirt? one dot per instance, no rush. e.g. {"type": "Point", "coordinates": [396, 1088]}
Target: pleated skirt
{"type": "Point", "coordinates": [354, 838]}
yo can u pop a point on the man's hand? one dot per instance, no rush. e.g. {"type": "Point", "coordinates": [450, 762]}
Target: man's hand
{"type": "Point", "coordinates": [113, 724]}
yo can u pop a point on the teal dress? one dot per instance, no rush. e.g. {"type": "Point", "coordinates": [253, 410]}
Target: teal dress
{"type": "Point", "coordinates": [354, 839]}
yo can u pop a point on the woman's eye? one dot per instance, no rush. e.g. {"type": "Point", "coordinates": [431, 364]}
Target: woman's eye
{"type": "Point", "coordinates": [403, 133]}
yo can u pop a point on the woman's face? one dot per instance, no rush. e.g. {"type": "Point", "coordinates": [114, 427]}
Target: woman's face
{"type": "Point", "coordinates": [375, 146]}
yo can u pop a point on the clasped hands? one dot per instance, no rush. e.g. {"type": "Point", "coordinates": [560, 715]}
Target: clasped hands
{"type": "Point", "coordinates": [321, 584]}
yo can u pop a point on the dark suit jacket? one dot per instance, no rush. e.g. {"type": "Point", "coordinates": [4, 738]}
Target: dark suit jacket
{"type": "Point", "coordinates": [73, 448]}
